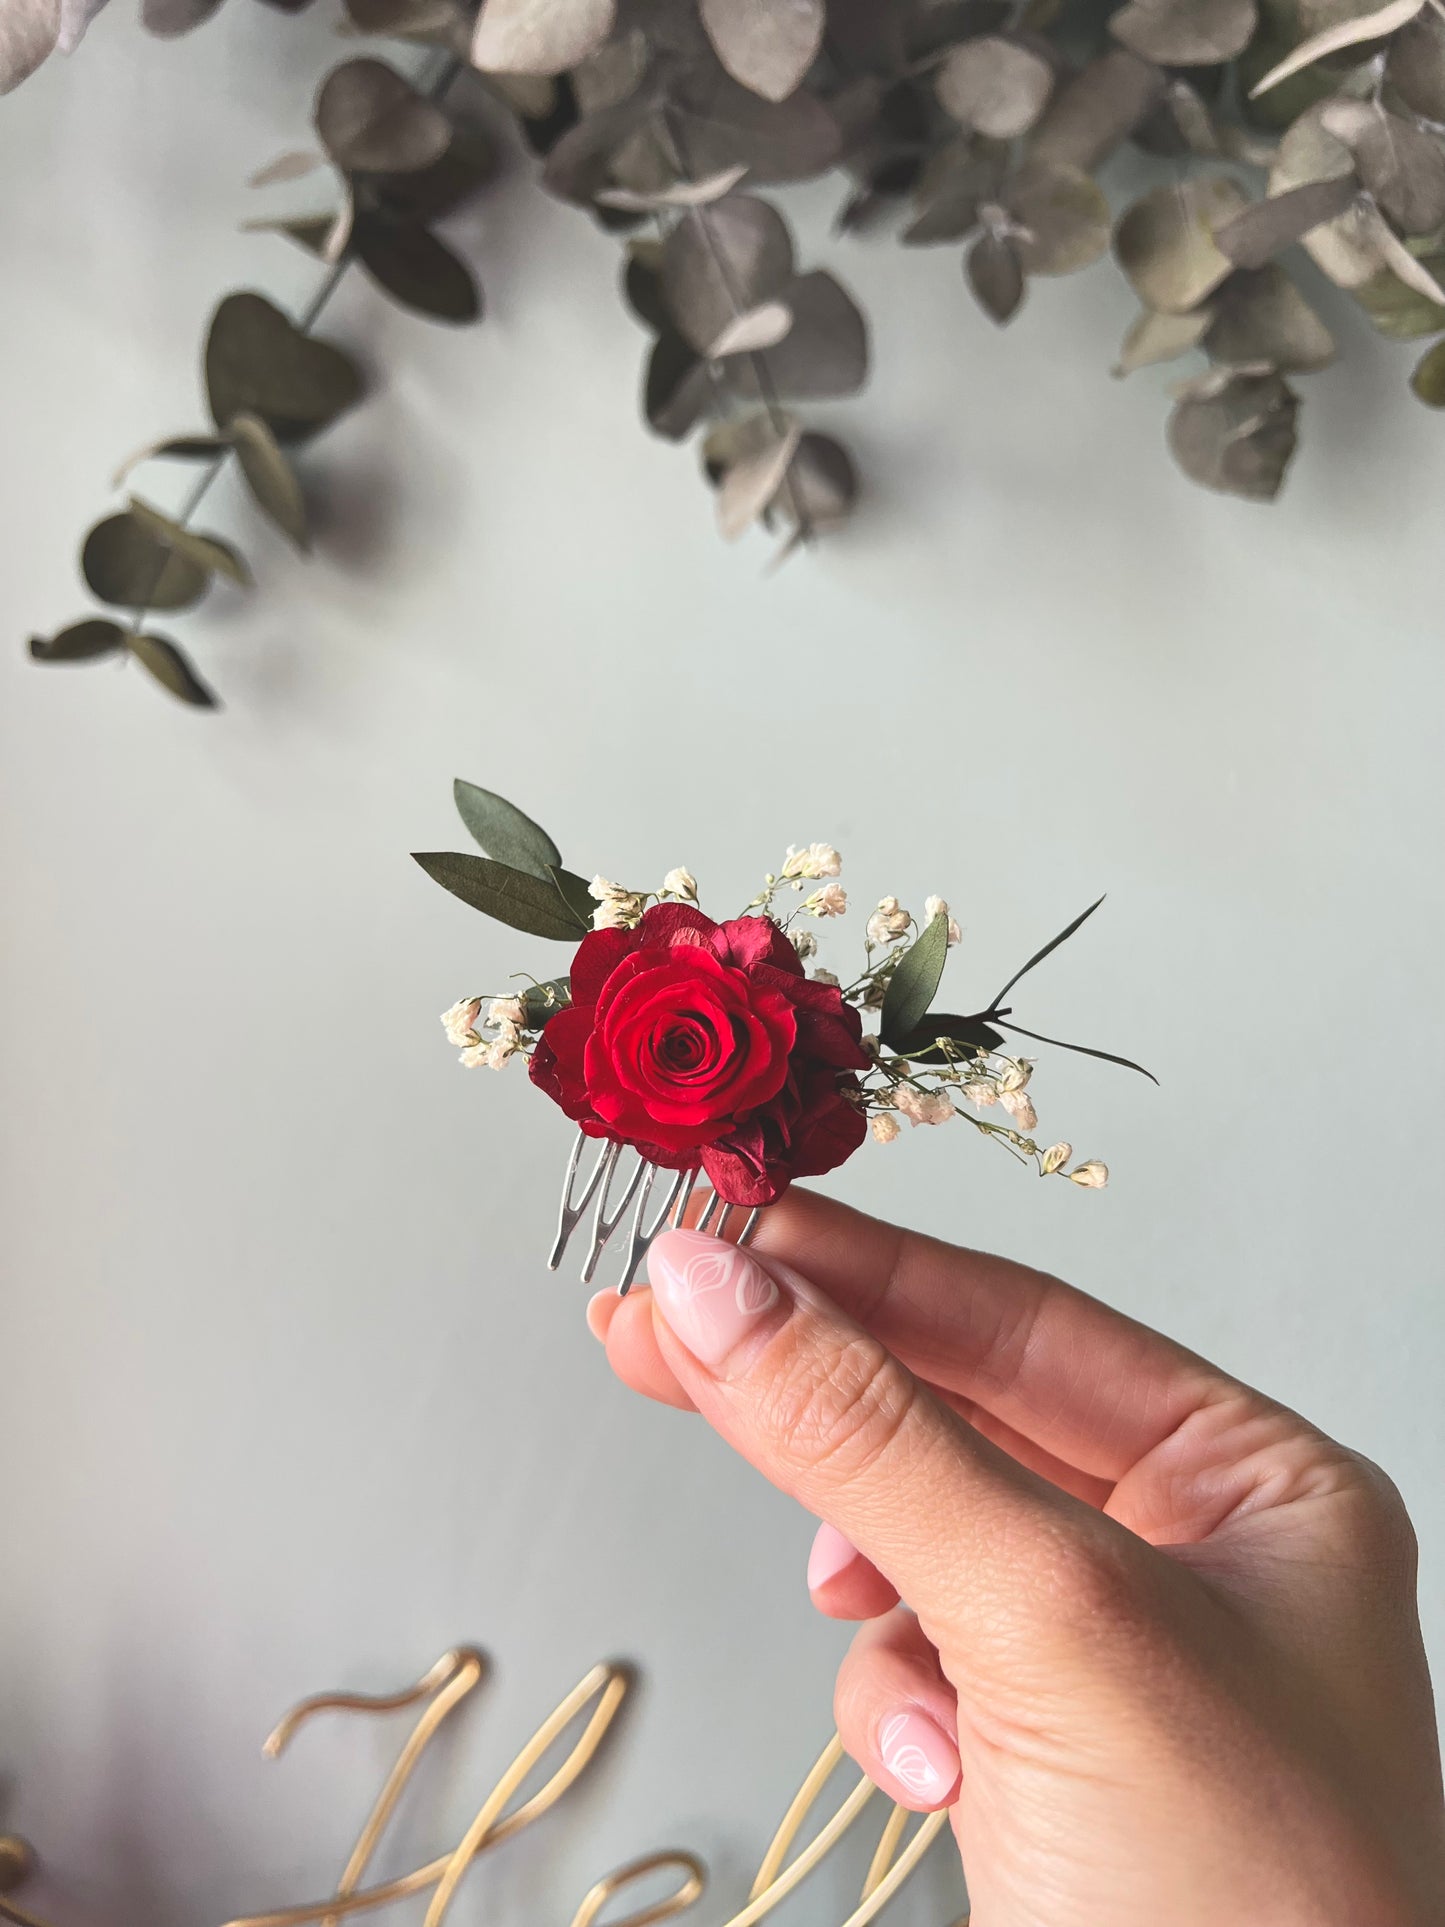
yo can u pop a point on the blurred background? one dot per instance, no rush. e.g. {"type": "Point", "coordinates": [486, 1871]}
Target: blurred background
{"type": "Point", "coordinates": [289, 1400]}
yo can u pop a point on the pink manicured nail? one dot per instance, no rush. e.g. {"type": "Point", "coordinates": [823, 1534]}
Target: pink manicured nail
{"type": "Point", "coordinates": [600, 1313]}
{"type": "Point", "coordinates": [831, 1554]}
{"type": "Point", "coordinates": [710, 1293]}
{"type": "Point", "coordinates": [918, 1756]}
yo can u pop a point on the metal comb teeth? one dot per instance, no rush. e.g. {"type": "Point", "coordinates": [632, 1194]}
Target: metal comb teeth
{"type": "Point", "coordinates": [619, 1171]}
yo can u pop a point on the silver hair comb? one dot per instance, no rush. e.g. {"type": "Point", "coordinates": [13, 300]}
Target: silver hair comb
{"type": "Point", "coordinates": [634, 1179]}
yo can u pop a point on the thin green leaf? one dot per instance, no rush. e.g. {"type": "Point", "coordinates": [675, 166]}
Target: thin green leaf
{"type": "Point", "coordinates": [921, 1044]}
{"type": "Point", "coordinates": [1084, 1050]}
{"type": "Point", "coordinates": [511, 896]}
{"type": "Point", "coordinates": [914, 983]}
{"type": "Point", "coordinates": [1039, 955]}
{"type": "Point", "coordinates": [502, 831]}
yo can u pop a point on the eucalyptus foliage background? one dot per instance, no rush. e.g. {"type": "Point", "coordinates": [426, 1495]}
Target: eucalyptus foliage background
{"type": "Point", "coordinates": [289, 1397]}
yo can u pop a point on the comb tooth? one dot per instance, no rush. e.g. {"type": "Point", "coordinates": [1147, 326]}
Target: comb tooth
{"type": "Point", "coordinates": [709, 1212]}
{"type": "Point", "coordinates": [603, 1226]}
{"type": "Point", "coordinates": [684, 1199]}
{"type": "Point", "coordinates": [572, 1208]}
{"type": "Point", "coordinates": [643, 1233]}
{"type": "Point", "coordinates": [751, 1226]}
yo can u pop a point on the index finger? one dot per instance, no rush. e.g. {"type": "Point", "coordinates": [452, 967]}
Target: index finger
{"type": "Point", "coordinates": [1086, 1383]}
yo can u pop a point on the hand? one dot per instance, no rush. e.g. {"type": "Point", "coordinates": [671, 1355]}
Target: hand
{"type": "Point", "coordinates": [1165, 1666]}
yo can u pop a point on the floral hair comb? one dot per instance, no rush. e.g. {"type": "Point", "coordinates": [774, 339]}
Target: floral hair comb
{"type": "Point", "coordinates": [689, 1047]}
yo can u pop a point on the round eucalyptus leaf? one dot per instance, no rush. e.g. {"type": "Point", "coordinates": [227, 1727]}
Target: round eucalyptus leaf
{"type": "Point", "coordinates": [259, 363]}
{"type": "Point", "coordinates": [371, 120]}
{"type": "Point", "coordinates": [1165, 241]}
{"type": "Point", "coordinates": [767, 45]}
{"type": "Point", "coordinates": [126, 564]}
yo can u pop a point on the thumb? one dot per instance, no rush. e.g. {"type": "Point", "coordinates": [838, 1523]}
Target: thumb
{"type": "Point", "coordinates": [828, 1413]}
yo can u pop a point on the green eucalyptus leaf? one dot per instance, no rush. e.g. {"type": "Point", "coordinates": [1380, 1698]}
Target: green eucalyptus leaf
{"type": "Point", "coordinates": [511, 896]}
{"type": "Point", "coordinates": [80, 642]}
{"type": "Point", "coordinates": [914, 983]}
{"type": "Point", "coordinates": [127, 564]}
{"type": "Point", "coordinates": [502, 831]}
{"type": "Point", "coordinates": [1428, 380]}
{"type": "Point", "coordinates": [171, 669]}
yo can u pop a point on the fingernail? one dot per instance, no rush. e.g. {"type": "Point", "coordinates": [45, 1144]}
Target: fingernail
{"type": "Point", "coordinates": [830, 1555]}
{"type": "Point", "coordinates": [601, 1310]}
{"type": "Point", "coordinates": [919, 1756]}
{"type": "Point", "coordinates": [710, 1293]}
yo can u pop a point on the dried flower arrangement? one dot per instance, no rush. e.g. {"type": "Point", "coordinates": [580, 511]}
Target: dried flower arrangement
{"type": "Point", "coordinates": [707, 1047]}
{"type": "Point", "coordinates": [974, 124]}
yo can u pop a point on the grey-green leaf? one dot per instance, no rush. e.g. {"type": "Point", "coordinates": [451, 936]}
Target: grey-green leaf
{"type": "Point", "coordinates": [208, 552]}
{"type": "Point", "coordinates": [914, 983]}
{"type": "Point", "coordinates": [172, 670]}
{"type": "Point", "coordinates": [258, 362]}
{"type": "Point", "coordinates": [126, 564]}
{"type": "Point", "coordinates": [80, 642]}
{"type": "Point", "coordinates": [502, 831]}
{"type": "Point", "coordinates": [511, 896]}
{"type": "Point", "coordinates": [371, 120]}
{"type": "Point", "coordinates": [270, 477]}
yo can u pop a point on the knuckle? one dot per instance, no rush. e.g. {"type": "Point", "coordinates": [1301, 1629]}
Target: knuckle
{"type": "Point", "coordinates": [1376, 1521]}
{"type": "Point", "coordinates": [841, 1411]}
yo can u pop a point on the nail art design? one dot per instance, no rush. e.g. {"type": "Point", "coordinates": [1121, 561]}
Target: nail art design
{"type": "Point", "coordinates": [710, 1293]}
{"type": "Point", "coordinates": [719, 1269]}
{"type": "Point", "coordinates": [917, 1755]}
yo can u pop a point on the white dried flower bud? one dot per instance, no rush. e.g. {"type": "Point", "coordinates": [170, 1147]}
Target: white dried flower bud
{"type": "Point", "coordinates": [936, 907]}
{"type": "Point", "coordinates": [888, 922]}
{"type": "Point", "coordinates": [815, 860]}
{"type": "Point", "coordinates": [830, 901]}
{"type": "Point", "coordinates": [981, 1091]}
{"type": "Point", "coordinates": [508, 1011]}
{"type": "Point", "coordinates": [617, 909]}
{"type": "Point", "coordinates": [1055, 1158]}
{"type": "Point", "coordinates": [1020, 1107]}
{"type": "Point", "coordinates": [1093, 1175]}
{"type": "Point", "coordinates": [1017, 1076]}
{"type": "Point", "coordinates": [804, 942]}
{"type": "Point", "coordinates": [460, 1022]}
{"type": "Point", "coordinates": [924, 1107]}
{"type": "Point", "coordinates": [885, 1127]}
{"type": "Point", "coordinates": [680, 883]}
{"type": "Point", "coordinates": [821, 976]}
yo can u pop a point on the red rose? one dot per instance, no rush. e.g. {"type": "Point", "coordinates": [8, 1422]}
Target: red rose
{"type": "Point", "coordinates": [702, 1043]}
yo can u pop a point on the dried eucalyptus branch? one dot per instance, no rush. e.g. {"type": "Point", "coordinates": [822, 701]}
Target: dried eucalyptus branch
{"type": "Point", "coordinates": [271, 384]}
{"type": "Point", "coordinates": [979, 125]}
